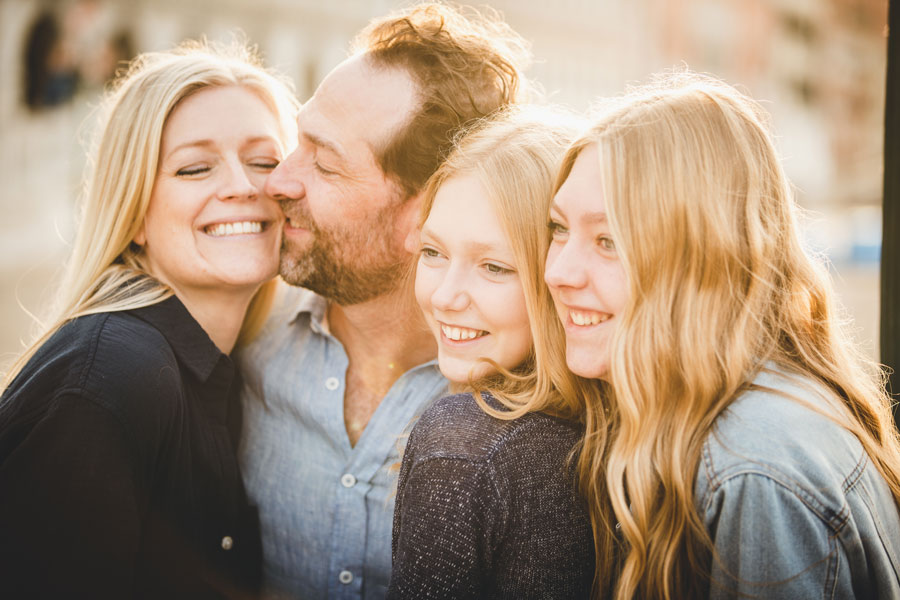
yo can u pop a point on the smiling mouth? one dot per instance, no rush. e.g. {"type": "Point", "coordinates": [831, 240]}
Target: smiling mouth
{"type": "Point", "coordinates": [236, 228]}
{"type": "Point", "coordinates": [461, 334]}
{"type": "Point", "coordinates": [587, 318]}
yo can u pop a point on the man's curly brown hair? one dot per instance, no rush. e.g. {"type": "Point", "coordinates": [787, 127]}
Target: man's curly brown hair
{"type": "Point", "coordinates": [465, 63]}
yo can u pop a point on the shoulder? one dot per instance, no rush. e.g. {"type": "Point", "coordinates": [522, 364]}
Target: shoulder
{"type": "Point", "coordinates": [778, 433]}
{"type": "Point", "coordinates": [456, 427]}
{"type": "Point", "coordinates": [110, 360]}
{"type": "Point", "coordinates": [128, 368]}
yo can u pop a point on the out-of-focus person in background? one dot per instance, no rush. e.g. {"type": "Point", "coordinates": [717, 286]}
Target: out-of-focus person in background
{"type": "Point", "coordinates": [746, 447]}
{"type": "Point", "coordinates": [345, 362]}
{"type": "Point", "coordinates": [119, 425]}
{"type": "Point", "coordinates": [487, 505]}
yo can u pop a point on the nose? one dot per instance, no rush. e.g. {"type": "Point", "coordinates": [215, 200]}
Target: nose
{"type": "Point", "coordinates": [286, 181]}
{"type": "Point", "coordinates": [236, 184]}
{"type": "Point", "coordinates": [565, 266]}
{"type": "Point", "coordinates": [451, 294]}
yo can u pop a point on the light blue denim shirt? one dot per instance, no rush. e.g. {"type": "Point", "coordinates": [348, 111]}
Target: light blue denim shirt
{"type": "Point", "coordinates": [794, 506]}
{"type": "Point", "coordinates": [326, 508]}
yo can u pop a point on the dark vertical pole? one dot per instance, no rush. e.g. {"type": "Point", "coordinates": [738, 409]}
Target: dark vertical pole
{"type": "Point", "coordinates": [890, 239]}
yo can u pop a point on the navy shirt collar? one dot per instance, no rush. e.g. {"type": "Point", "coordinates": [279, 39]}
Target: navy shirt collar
{"type": "Point", "coordinates": [192, 345]}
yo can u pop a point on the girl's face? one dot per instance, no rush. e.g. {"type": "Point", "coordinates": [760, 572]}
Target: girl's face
{"type": "Point", "coordinates": [468, 286]}
{"type": "Point", "coordinates": [585, 276]}
{"type": "Point", "coordinates": [209, 226]}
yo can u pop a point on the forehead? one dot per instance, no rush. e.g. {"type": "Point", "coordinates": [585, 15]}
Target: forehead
{"type": "Point", "coordinates": [581, 194]}
{"type": "Point", "coordinates": [203, 114]}
{"type": "Point", "coordinates": [463, 215]}
{"type": "Point", "coordinates": [359, 105]}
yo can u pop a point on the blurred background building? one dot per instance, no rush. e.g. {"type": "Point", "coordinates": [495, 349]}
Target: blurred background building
{"type": "Point", "coordinates": [818, 66]}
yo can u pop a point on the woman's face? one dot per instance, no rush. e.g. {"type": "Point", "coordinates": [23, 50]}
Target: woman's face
{"type": "Point", "coordinates": [209, 226]}
{"type": "Point", "coordinates": [468, 286]}
{"type": "Point", "coordinates": [586, 278]}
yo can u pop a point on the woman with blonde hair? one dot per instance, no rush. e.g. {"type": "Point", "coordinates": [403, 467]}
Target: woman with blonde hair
{"type": "Point", "coordinates": [118, 425]}
{"type": "Point", "coordinates": [744, 447]}
{"type": "Point", "coordinates": [486, 503]}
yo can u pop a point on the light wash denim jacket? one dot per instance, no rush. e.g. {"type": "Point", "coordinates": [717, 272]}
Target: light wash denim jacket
{"type": "Point", "coordinates": [793, 504]}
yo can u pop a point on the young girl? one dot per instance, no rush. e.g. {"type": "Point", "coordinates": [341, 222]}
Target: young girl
{"type": "Point", "coordinates": [118, 426]}
{"type": "Point", "coordinates": [487, 505]}
{"type": "Point", "coordinates": [745, 448]}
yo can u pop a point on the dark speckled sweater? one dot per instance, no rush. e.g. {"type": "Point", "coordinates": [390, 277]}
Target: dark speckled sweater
{"type": "Point", "coordinates": [487, 508]}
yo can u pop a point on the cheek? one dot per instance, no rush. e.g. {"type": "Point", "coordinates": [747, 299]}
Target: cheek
{"type": "Point", "coordinates": [425, 284]}
{"type": "Point", "coordinates": [514, 314]}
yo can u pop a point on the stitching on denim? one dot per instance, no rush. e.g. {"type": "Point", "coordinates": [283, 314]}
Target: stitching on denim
{"type": "Point", "coordinates": [855, 475]}
{"type": "Point", "coordinates": [835, 520]}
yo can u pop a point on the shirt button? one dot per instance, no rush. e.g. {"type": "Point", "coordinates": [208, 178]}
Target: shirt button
{"type": "Point", "coordinates": [348, 481]}
{"type": "Point", "coordinates": [227, 542]}
{"type": "Point", "coordinates": [332, 383]}
{"type": "Point", "coordinates": [345, 577]}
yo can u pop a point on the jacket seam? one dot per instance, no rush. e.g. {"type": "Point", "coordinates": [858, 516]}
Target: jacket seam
{"type": "Point", "coordinates": [835, 523]}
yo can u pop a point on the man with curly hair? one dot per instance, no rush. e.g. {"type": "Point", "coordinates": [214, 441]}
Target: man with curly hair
{"type": "Point", "coordinates": [345, 363]}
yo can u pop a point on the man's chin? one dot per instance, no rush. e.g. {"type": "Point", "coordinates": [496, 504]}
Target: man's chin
{"type": "Point", "coordinates": [293, 271]}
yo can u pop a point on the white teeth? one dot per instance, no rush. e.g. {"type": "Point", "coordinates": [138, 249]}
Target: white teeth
{"type": "Point", "coordinates": [588, 318]}
{"type": "Point", "coordinates": [461, 333]}
{"type": "Point", "coordinates": [220, 229]}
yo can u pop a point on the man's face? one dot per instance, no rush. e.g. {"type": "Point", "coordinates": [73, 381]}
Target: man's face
{"type": "Point", "coordinates": [345, 220]}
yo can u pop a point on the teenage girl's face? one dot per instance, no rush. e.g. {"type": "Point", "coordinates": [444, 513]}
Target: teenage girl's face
{"type": "Point", "coordinates": [209, 225]}
{"type": "Point", "coordinates": [585, 276]}
{"type": "Point", "coordinates": [468, 286]}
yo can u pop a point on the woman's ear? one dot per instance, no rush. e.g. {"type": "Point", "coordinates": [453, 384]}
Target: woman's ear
{"type": "Point", "coordinates": [140, 238]}
{"type": "Point", "coordinates": [409, 218]}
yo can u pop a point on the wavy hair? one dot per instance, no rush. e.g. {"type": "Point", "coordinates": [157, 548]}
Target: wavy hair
{"type": "Point", "coordinates": [515, 155]}
{"type": "Point", "coordinates": [106, 271]}
{"type": "Point", "coordinates": [466, 64]}
{"type": "Point", "coordinates": [706, 227]}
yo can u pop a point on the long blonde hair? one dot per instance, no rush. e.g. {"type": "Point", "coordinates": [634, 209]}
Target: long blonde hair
{"type": "Point", "coordinates": [706, 227]}
{"type": "Point", "coordinates": [515, 154]}
{"type": "Point", "coordinates": [106, 271]}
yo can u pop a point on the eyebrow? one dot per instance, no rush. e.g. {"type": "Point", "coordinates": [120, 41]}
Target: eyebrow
{"type": "Point", "coordinates": [591, 217]}
{"type": "Point", "coordinates": [323, 143]}
{"type": "Point", "coordinates": [478, 247]}
{"type": "Point", "coordinates": [205, 143]}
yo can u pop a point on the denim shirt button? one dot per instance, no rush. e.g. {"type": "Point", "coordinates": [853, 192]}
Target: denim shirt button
{"type": "Point", "coordinates": [227, 543]}
{"type": "Point", "coordinates": [332, 383]}
{"type": "Point", "coordinates": [348, 481]}
{"type": "Point", "coordinates": [345, 577]}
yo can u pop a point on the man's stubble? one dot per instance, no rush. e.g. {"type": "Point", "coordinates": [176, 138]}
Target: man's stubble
{"type": "Point", "coordinates": [346, 265]}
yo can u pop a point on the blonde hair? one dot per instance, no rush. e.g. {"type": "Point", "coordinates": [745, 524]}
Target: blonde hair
{"type": "Point", "coordinates": [106, 270]}
{"type": "Point", "coordinates": [515, 155]}
{"type": "Point", "coordinates": [706, 228]}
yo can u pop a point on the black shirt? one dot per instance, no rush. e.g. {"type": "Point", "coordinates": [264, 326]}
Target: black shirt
{"type": "Point", "coordinates": [487, 508]}
{"type": "Point", "coordinates": [118, 476]}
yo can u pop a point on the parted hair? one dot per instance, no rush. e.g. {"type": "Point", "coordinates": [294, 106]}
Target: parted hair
{"type": "Point", "coordinates": [721, 288]}
{"type": "Point", "coordinates": [515, 155]}
{"type": "Point", "coordinates": [106, 270]}
{"type": "Point", "coordinates": [466, 64]}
